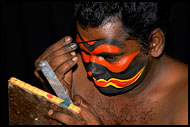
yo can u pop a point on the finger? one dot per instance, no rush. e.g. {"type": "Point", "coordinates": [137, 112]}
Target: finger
{"type": "Point", "coordinates": [36, 73]}
{"type": "Point", "coordinates": [67, 80]}
{"type": "Point", "coordinates": [64, 41]}
{"type": "Point", "coordinates": [38, 76]}
{"type": "Point", "coordinates": [59, 60]}
{"type": "Point", "coordinates": [67, 87]}
{"type": "Point", "coordinates": [79, 101]}
{"type": "Point", "coordinates": [64, 118]}
{"type": "Point", "coordinates": [62, 51]}
{"type": "Point", "coordinates": [36, 65]}
{"type": "Point", "coordinates": [61, 43]}
{"type": "Point", "coordinates": [87, 111]}
{"type": "Point", "coordinates": [65, 67]}
{"type": "Point", "coordinates": [68, 77]}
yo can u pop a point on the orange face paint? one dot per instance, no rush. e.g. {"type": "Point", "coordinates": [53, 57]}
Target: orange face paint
{"type": "Point", "coordinates": [120, 66]}
{"type": "Point", "coordinates": [91, 53]}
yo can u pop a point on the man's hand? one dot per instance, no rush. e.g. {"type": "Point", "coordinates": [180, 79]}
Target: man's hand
{"type": "Point", "coordinates": [89, 116]}
{"type": "Point", "coordinates": [61, 57]}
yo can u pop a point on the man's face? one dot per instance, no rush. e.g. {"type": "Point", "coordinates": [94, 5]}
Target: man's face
{"type": "Point", "coordinates": [112, 58]}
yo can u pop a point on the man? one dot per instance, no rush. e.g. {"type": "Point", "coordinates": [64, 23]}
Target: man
{"type": "Point", "coordinates": [120, 75]}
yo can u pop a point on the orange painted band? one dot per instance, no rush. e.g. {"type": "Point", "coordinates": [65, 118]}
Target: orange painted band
{"type": "Point", "coordinates": [120, 66]}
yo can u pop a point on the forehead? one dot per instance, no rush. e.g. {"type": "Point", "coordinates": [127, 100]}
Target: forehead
{"type": "Point", "coordinates": [110, 30]}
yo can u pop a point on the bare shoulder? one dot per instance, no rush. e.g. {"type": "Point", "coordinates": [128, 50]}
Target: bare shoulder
{"type": "Point", "coordinates": [179, 73]}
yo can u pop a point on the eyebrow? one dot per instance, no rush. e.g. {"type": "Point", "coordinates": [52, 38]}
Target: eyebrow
{"type": "Point", "coordinates": [103, 39]}
{"type": "Point", "coordinates": [81, 38]}
{"type": "Point", "coordinates": [90, 41]}
{"type": "Point", "coordinates": [111, 41]}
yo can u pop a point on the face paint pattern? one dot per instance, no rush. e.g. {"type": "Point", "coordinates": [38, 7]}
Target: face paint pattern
{"type": "Point", "coordinates": [120, 83]}
{"type": "Point", "coordinates": [90, 51]}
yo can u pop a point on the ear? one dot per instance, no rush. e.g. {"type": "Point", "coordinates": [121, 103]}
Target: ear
{"type": "Point", "coordinates": [158, 42]}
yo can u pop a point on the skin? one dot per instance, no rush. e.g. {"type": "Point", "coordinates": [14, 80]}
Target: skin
{"type": "Point", "coordinates": [161, 98]}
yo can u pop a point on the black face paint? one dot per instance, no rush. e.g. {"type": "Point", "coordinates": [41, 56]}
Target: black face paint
{"type": "Point", "coordinates": [100, 72]}
{"type": "Point", "coordinates": [111, 79]}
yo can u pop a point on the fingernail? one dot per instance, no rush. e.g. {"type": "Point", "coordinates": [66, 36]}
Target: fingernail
{"type": "Point", "coordinates": [73, 45]}
{"type": "Point", "coordinates": [50, 112]}
{"type": "Point", "coordinates": [77, 100]}
{"type": "Point", "coordinates": [74, 59]}
{"type": "Point", "coordinates": [68, 39]}
{"type": "Point", "coordinates": [73, 53]}
{"type": "Point", "coordinates": [77, 103]}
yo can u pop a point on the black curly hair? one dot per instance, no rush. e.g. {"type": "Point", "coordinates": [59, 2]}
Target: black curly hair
{"type": "Point", "coordinates": [138, 18]}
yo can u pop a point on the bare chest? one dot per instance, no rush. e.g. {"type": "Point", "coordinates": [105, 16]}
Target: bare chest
{"type": "Point", "coordinates": [120, 111]}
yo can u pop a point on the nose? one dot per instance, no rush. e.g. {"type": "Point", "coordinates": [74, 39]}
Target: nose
{"type": "Point", "coordinates": [94, 70]}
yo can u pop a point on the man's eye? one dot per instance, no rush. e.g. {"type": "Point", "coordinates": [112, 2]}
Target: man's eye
{"type": "Point", "coordinates": [110, 58]}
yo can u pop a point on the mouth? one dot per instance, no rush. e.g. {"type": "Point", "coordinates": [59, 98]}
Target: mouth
{"type": "Point", "coordinates": [118, 83]}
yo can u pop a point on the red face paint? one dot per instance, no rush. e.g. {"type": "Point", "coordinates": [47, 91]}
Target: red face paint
{"type": "Point", "coordinates": [100, 49]}
{"type": "Point", "coordinates": [119, 66]}
{"type": "Point", "coordinates": [90, 54]}
{"type": "Point", "coordinates": [118, 83]}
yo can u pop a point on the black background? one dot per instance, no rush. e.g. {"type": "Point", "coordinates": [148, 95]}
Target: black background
{"type": "Point", "coordinates": [28, 28]}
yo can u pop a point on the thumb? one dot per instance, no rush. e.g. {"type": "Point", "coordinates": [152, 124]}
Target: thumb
{"type": "Point", "coordinates": [79, 101]}
{"type": "Point", "coordinates": [88, 113]}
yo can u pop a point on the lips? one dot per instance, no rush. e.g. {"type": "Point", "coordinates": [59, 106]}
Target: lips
{"type": "Point", "coordinates": [118, 83]}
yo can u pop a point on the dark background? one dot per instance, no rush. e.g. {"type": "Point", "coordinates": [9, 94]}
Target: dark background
{"type": "Point", "coordinates": [28, 28]}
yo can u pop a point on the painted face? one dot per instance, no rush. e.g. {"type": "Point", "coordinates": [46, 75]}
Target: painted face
{"type": "Point", "coordinates": [110, 76]}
